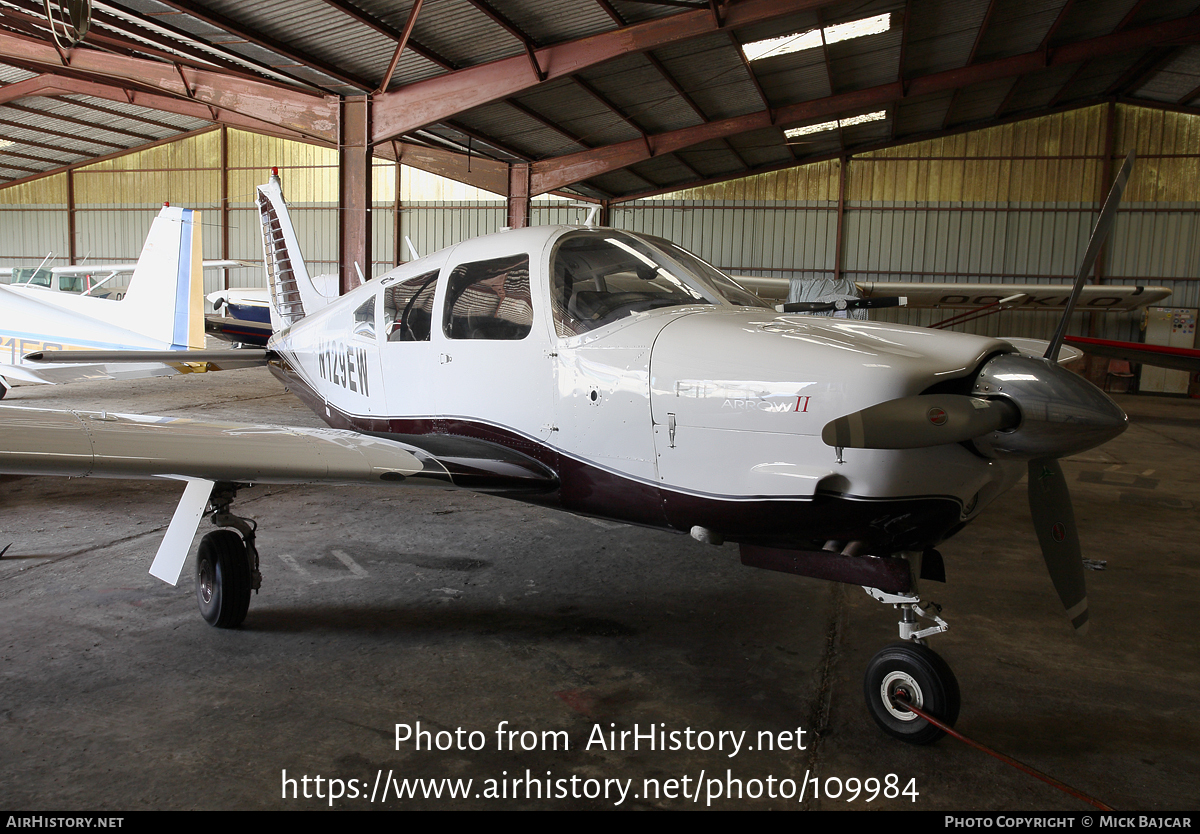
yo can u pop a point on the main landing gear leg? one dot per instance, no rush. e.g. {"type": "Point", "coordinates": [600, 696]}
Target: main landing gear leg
{"type": "Point", "coordinates": [227, 563]}
{"type": "Point", "coordinates": [911, 671]}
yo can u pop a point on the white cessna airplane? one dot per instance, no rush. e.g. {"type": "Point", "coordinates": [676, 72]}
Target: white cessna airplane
{"type": "Point", "coordinates": [616, 375]}
{"type": "Point", "coordinates": [162, 309]}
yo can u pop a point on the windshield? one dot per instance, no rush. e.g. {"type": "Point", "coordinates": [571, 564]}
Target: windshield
{"type": "Point", "coordinates": [602, 276]}
{"type": "Point", "coordinates": [717, 280]}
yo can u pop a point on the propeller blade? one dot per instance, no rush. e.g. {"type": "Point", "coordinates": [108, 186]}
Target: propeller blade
{"type": "Point", "coordinates": [1104, 224]}
{"type": "Point", "coordinates": [1054, 520]}
{"type": "Point", "coordinates": [920, 421]}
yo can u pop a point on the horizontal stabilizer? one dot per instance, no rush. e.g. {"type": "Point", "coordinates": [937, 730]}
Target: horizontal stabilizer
{"type": "Point", "coordinates": [1162, 356]}
{"type": "Point", "coordinates": [217, 359]}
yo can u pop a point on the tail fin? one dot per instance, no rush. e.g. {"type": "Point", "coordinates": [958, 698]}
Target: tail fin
{"type": "Point", "coordinates": [165, 298]}
{"type": "Point", "coordinates": [293, 291]}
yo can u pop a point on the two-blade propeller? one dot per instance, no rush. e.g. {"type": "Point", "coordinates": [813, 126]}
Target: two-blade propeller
{"type": "Point", "coordinates": [927, 420]}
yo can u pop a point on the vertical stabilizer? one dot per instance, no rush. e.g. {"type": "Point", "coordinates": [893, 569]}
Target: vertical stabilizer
{"type": "Point", "coordinates": [293, 293]}
{"type": "Point", "coordinates": [165, 298]}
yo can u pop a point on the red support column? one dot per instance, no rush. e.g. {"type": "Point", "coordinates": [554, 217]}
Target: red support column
{"type": "Point", "coordinates": [70, 175]}
{"type": "Point", "coordinates": [839, 244]}
{"type": "Point", "coordinates": [354, 186]}
{"type": "Point", "coordinates": [224, 140]}
{"type": "Point", "coordinates": [518, 196]}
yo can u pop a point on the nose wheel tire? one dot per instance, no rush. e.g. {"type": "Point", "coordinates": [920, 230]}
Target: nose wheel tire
{"type": "Point", "coordinates": [918, 674]}
{"type": "Point", "coordinates": [223, 579]}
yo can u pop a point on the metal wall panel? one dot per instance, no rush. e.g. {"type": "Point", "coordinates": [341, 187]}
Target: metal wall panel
{"type": "Point", "coordinates": [433, 226]}
{"type": "Point", "coordinates": [50, 190]}
{"type": "Point", "coordinates": [1011, 203]}
{"type": "Point", "coordinates": [759, 238]}
{"type": "Point", "coordinates": [183, 173]}
{"type": "Point", "coordinates": [30, 233]}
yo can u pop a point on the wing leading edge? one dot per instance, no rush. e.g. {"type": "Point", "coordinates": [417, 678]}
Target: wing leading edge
{"type": "Point", "coordinates": [81, 444]}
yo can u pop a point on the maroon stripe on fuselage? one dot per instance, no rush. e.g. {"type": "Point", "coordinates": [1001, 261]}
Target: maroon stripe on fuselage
{"type": "Point", "coordinates": [886, 525]}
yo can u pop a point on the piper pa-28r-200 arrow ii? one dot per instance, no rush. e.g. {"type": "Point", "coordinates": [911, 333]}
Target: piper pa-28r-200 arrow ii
{"type": "Point", "coordinates": [616, 375]}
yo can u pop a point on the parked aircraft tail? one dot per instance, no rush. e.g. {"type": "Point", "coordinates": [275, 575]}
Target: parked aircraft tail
{"type": "Point", "coordinates": [294, 293]}
{"type": "Point", "coordinates": [165, 298]}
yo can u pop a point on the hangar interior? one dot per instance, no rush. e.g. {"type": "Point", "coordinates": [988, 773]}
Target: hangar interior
{"type": "Point", "coordinates": [948, 141]}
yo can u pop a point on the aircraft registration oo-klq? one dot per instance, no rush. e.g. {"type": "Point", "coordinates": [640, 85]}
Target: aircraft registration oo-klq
{"type": "Point", "coordinates": [616, 375]}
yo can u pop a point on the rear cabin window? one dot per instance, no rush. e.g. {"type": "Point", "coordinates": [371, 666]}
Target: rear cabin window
{"type": "Point", "coordinates": [489, 300]}
{"type": "Point", "coordinates": [364, 319]}
{"type": "Point", "coordinates": [408, 308]}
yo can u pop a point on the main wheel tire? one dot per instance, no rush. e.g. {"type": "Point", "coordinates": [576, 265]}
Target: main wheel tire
{"type": "Point", "coordinates": [920, 674]}
{"type": "Point", "coordinates": [223, 579]}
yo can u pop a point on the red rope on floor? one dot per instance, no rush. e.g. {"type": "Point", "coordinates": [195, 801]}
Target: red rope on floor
{"type": "Point", "coordinates": [1050, 780]}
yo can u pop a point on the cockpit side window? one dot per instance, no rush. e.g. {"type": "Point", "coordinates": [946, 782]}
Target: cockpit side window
{"type": "Point", "coordinates": [600, 278]}
{"type": "Point", "coordinates": [489, 300]}
{"type": "Point", "coordinates": [408, 308]}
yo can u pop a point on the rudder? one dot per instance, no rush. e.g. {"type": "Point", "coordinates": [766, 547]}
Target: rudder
{"type": "Point", "coordinates": [165, 297]}
{"type": "Point", "coordinates": [293, 292]}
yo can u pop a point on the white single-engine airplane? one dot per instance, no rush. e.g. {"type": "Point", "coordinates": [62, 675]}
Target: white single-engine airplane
{"type": "Point", "coordinates": [161, 309]}
{"type": "Point", "coordinates": [616, 375]}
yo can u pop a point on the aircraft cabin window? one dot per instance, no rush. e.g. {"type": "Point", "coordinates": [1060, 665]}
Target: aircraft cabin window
{"type": "Point", "coordinates": [408, 308]}
{"type": "Point", "coordinates": [364, 319]}
{"type": "Point", "coordinates": [489, 300]}
{"type": "Point", "coordinates": [726, 287]}
{"type": "Point", "coordinates": [602, 277]}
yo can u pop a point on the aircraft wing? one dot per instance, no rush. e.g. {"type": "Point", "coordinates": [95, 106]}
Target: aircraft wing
{"type": "Point", "coordinates": [1095, 298]}
{"type": "Point", "coordinates": [1180, 359]}
{"type": "Point", "coordinates": [237, 330]}
{"type": "Point", "coordinates": [206, 454]}
{"type": "Point", "coordinates": [182, 361]}
{"type": "Point", "coordinates": [35, 441]}
{"type": "Point", "coordinates": [123, 268]}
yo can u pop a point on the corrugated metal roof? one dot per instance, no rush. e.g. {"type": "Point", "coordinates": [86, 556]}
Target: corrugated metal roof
{"type": "Point", "coordinates": [578, 113]}
{"type": "Point", "coordinates": [547, 22]}
{"type": "Point", "coordinates": [643, 94]}
{"type": "Point", "coordinates": [713, 75]}
{"type": "Point", "coordinates": [11, 75]}
{"type": "Point", "coordinates": [978, 102]}
{"type": "Point", "coordinates": [680, 84]}
{"type": "Point", "coordinates": [941, 34]}
{"type": "Point", "coordinates": [1038, 89]}
{"type": "Point", "coordinates": [1175, 79]}
{"type": "Point", "coordinates": [1017, 27]}
{"type": "Point", "coordinates": [1102, 17]}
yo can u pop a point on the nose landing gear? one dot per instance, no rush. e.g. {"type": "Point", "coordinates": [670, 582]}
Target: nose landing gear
{"type": "Point", "coordinates": [917, 674]}
{"type": "Point", "coordinates": [910, 672]}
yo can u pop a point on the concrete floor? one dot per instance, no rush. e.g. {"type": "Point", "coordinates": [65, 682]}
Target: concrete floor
{"type": "Point", "coordinates": [463, 611]}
